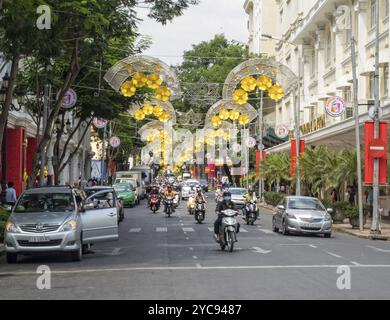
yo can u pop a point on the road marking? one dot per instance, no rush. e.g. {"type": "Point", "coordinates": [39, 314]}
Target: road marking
{"type": "Point", "coordinates": [334, 255]}
{"type": "Point", "coordinates": [194, 257]}
{"type": "Point", "coordinates": [191, 249]}
{"type": "Point", "coordinates": [259, 250]}
{"type": "Point", "coordinates": [243, 230]}
{"type": "Point", "coordinates": [355, 263]}
{"type": "Point", "coordinates": [162, 229]}
{"type": "Point", "coordinates": [313, 246]}
{"type": "Point", "coordinates": [211, 229]}
{"type": "Point", "coordinates": [266, 231]}
{"type": "Point", "coordinates": [198, 266]}
{"type": "Point", "coordinates": [379, 249]}
{"type": "Point", "coordinates": [135, 230]}
{"type": "Point", "coordinates": [142, 269]}
{"type": "Point", "coordinates": [187, 238]}
{"type": "Point", "coordinates": [188, 230]}
{"type": "Point", "coordinates": [114, 252]}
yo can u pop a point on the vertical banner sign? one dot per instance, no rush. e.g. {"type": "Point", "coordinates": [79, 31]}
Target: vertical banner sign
{"type": "Point", "coordinates": [375, 148]}
{"type": "Point", "coordinates": [258, 161]}
{"type": "Point", "coordinates": [211, 171]}
{"type": "Point", "coordinates": [293, 160]}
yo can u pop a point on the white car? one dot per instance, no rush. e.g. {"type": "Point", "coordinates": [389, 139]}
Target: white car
{"type": "Point", "coordinates": [188, 188]}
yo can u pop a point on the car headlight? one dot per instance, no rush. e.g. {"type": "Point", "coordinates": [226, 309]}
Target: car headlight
{"type": "Point", "coordinates": [69, 225]}
{"type": "Point", "coordinates": [328, 217]}
{"type": "Point", "coordinates": [291, 216]}
{"type": "Point", "coordinates": [11, 227]}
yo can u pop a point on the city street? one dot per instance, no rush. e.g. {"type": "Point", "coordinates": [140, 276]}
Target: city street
{"type": "Point", "coordinates": [175, 258]}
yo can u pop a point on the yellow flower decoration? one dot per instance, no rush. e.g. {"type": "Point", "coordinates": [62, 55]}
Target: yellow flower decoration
{"type": "Point", "coordinates": [163, 94]}
{"type": "Point", "coordinates": [234, 115]}
{"type": "Point", "coordinates": [157, 111]}
{"type": "Point", "coordinates": [243, 119]}
{"type": "Point", "coordinates": [220, 133]}
{"type": "Point", "coordinates": [150, 138]}
{"type": "Point", "coordinates": [240, 97]}
{"type": "Point", "coordinates": [128, 89]}
{"type": "Point", "coordinates": [276, 92]}
{"type": "Point", "coordinates": [248, 84]}
{"type": "Point", "coordinates": [216, 121]}
{"type": "Point", "coordinates": [210, 140]}
{"type": "Point", "coordinates": [264, 83]}
{"type": "Point", "coordinates": [139, 115]}
{"type": "Point", "coordinates": [139, 79]}
{"type": "Point", "coordinates": [224, 114]}
{"type": "Point", "coordinates": [154, 81]}
{"type": "Point", "coordinates": [226, 136]}
{"type": "Point", "coordinates": [148, 109]}
{"type": "Point", "coordinates": [164, 117]}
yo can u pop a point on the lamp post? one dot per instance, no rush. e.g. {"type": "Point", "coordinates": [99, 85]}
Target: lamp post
{"type": "Point", "coordinates": [297, 115]}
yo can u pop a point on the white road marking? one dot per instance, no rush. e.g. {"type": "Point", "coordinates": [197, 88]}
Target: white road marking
{"type": "Point", "coordinates": [135, 230]}
{"type": "Point", "coordinates": [379, 249]}
{"type": "Point", "coordinates": [268, 267]}
{"type": "Point", "coordinates": [266, 231]}
{"type": "Point", "coordinates": [187, 238]}
{"type": "Point", "coordinates": [191, 249]}
{"type": "Point", "coordinates": [162, 229]}
{"type": "Point", "coordinates": [259, 250]}
{"type": "Point", "coordinates": [243, 230]}
{"type": "Point", "coordinates": [194, 257]}
{"type": "Point", "coordinates": [198, 266]}
{"type": "Point", "coordinates": [313, 246]}
{"type": "Point", "coordinates": [355, 263]}
{"type": "Point", "coordinates": [333, 254]}
{"type": "Point", "coordinates": [211, 229]}
{"type": "Point", "coordinates": [188, 230]}
{"type": "Point", "coordinates": [115, 252]}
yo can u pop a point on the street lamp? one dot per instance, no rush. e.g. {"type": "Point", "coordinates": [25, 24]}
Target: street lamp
{"type": "Point", "coordinates": [297, 110]}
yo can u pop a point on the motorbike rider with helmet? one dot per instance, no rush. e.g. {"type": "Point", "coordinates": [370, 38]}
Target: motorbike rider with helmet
{"type": "Point", "coordinates": [169, 193]}
{"type": "Point", "coordinates": [225, 204]}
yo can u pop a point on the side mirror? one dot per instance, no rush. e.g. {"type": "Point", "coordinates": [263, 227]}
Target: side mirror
{"type": "Point", "coordinates": [280, 207]}
{"type": "Point", "coordinates": [330, 210]}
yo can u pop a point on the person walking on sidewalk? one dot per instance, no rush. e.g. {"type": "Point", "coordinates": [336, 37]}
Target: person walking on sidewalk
{"type": "Point", "coordinates": [370, 201]}
{"type": "Point", "coordinates": [10, 197]}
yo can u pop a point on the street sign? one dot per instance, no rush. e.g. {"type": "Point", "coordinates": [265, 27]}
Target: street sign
{"type": "Point", "coordinates": [372, 115]}
{"type": "Point", "coordinates": [115, 142]}
{"type": "Point", "coordinates": [281, 131]}
{"type": "Point", "coordinates": [335, 106]}
{"type": "Point", "coordinates": [261, 147]}
{"type": "Point", "coordinates": [69, 99]}
{"type": "Point", "coordinates": [100, 123]}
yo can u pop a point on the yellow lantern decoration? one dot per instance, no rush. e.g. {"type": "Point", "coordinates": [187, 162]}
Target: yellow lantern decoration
{"type": "Point", "coordinates": [139, 79]}
{"type": "Point", "coordinates": [216, 121]}
{"type": "Point", "coordinates": [276, 92]}
{"type": "Point", "coordinates": [248, 84]}
{"type": "Point", "coordinates": [128, 89]}
{"type": "Point", "coordinates": [243, 119]}
{"type": "Point", "coordinates": [224, 114]}
{"type": "Point", "coordinates": [234, 115]}
{"type": "Point", "coordinates": [163, 94]}
{"type": "Point", "coordinates": [226, 136]}
{"type": "Point", "coordinates": [164, 117]}
{"type": "Point", "coordinates": [240, 97]}
{"type": "Point", "coordinates": [139, 115]}
{"type": "Point", "coordinates": [264, 83]}
{"type": "Point", "coordinates": [148, 109]}
{"type": "Point", "coordinates": [157, 111]}
{"type": "Point", "coordinates": [150, 138]}
{"type": "Point", "coordinates": [154, 81]}
{"type": "Point", "coordinates": [220, 133]}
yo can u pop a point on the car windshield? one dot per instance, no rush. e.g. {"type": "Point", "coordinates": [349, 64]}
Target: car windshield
{"type": "Point", "coordinates": [305, 204]}
{"type": "Point", "coordinates": [51, 202]}
{"type": "Point", "coordinates": [203, 182]}
{"type": "Point", "coordinates": [192, 183]}
{"type": "Point", "coordinates": [238, 192]}
{"type": "Point", "coordinates": [122, 188]}
{"type": "Point", "coordinates": [93, 191]}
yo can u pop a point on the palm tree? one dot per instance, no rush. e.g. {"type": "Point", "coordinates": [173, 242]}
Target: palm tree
{"type": "Point", "coordinates": [277, 168]}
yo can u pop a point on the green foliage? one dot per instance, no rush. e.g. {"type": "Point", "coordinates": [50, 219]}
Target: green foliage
{"type": "Point", "coordinates": [4, 215]}
{"type": "Point", "coordinates": [273, 198]}
{"type": "Point", "coordinates": [277, 168]}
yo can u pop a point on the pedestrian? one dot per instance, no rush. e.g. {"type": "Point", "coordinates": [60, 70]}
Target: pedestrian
{"type": "Point", "coordinates": [333, 195]}
{"type": "Point", "coordinates": [370, 201]}
{"type": "Point", "coordinates": [10, 197]}
{"type": "Point", "coordinates": [351, 195]}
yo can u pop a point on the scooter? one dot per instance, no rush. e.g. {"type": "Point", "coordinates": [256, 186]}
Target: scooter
{"type": "Point", "coordinates": [176, 201]}
{"type": "Point", "coordinates": [251, 212]}
{"type": "Point", "coordinates": [191, 205]}
{"type": "Point", "coordinates": [228, 230]}
{"type": "Point", "coordinates": [154, 203]}
{"type": "Point", "coordinates": [200, 212]}
{"type": "Point", "coordinates": [169, 206]}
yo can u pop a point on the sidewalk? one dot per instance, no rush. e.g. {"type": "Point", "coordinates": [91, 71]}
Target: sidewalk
{"type": "Point", "coordinates": [1, 249]}
{"type": "Point", "coordinates": [347, 228]}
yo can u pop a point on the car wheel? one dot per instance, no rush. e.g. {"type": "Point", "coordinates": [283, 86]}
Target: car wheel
{"type": "Point", "coordinates": [274, 228]}
{"type": "Point", "coordinates": [328, 235]}
{"type": "Point", "coordinates": [77, 255]}
{"type": "Point", "coordinates": [86, 248]}
{"type": "Point", "coordinates": [284, 228]}
{"type": "Point", "coordinates": [12, 257]}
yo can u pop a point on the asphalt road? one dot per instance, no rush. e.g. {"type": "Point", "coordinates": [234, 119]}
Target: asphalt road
{"type": "Point", "coordinates": [174, 258]}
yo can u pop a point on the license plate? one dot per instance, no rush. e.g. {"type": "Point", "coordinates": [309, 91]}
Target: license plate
{"type": "Point", "coordinates": [309, 225]}
{"type": "Point", "coordinates": [39, 239]}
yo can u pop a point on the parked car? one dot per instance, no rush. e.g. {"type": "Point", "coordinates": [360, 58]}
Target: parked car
{"type": "Point", "coordinates": [238, 196]}
{"type": "Point", "coordinates": [58, 220]}
{"type": "Point", "coordinates": [136, 186]}
{"type": "Point", "coordinates": [111, 196]}
{"type": "Point", "coordinates": [126, 192]}
{"type": "Point", "coordinates": [302, 215]}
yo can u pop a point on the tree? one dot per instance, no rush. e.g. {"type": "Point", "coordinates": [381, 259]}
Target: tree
{"type": "Point", "coordinates": [277, 168]}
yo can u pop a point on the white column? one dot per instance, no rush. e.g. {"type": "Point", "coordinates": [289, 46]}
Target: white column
{"type": "Point", "coordinates": [320, 66]}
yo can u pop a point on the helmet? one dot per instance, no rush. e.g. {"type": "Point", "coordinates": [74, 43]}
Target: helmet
{"type": "Point", "coordinates": [199, 191]}
{"type": "Point", "coordinates": [227, 196]}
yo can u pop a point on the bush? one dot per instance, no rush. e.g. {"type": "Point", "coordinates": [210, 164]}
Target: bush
{"type": "Point", "coordinates": [351, 212]}
{"type": "Point", "coordinates": [273, 198]}
{"type": "Point", "coordinates": [3, 220]}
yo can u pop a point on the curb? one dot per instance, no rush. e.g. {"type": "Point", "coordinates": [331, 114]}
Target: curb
{"type": "Point", "coordinates": [362, 236]}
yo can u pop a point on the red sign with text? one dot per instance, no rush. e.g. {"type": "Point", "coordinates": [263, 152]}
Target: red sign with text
{"type": "Point", "coordinates": [258, 161]}
{"type": "Point", "coordinates": [293, 160]}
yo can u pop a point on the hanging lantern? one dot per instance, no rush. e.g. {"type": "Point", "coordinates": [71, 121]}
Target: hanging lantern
{"type": "Point", "coordinates": [128, 89]}
{"type": "Point", "coordinates": [234, 115]}
{"type": "Point", "coordinates": [163, 94]}
{"type": "Point", "coordinates": [276, 92]}
{"type": "Point", "coordinates": [154, 81]}
{"type": "Point", "coordinates": [248, 84]}
{"type": "Point", "coordinates": [220, 133]}
{"type": "Point", "coordinates": [139, 79]}
{"type": "Point", "coordinates": [216, 121]}
{"type": "Point", "coordinates": [243, 119]}
{"type": "Point", "coordinates": [148, 109]}
{"type": "Point", "coordinates": [224, 114]}
{"type": "Point", "coordinates": [164, 117]}
{"type": "Point", "coordinates": [157, 111]}
{"type": "Point", "coordinates": [240, 97]}
{"type": "Point", "coordinates": [139, 115]}
{"type": "Point", "coordinates": [150, 138]}
{"type": "Point", "coordinates": [264, 83]}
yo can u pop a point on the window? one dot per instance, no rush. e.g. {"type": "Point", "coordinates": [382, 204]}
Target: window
{"type": "Point", "coordinates": [373, 13]}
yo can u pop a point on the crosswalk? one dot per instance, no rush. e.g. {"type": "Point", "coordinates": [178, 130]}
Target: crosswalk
{"type": "Point", "coordinates": [192, 230]}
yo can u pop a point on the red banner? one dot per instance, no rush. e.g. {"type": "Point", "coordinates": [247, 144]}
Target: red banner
{"type": "Point", "coordinates": [293, 160]}
{"type": "Point", "coordinates": [211, 173]}
{"type": "Point", "coordinates": [258, 161]}
{"type": "Point", "coordinates": [375, 148]}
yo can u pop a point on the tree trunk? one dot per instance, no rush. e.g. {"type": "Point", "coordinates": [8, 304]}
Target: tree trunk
{"type": "Point", "coordinates": [8, 100]}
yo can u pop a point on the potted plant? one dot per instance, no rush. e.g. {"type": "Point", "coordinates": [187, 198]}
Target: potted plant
{"type": "Point", "coordinates": [339, 208]}
{"type": "Point", "coordinates": [352, 213]}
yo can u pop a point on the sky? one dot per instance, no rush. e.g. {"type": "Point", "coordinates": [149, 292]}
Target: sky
{"type": "Point", "coordinates": [198, 23]}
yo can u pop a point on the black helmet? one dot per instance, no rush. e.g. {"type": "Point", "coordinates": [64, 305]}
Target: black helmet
{"type": "Point", "coordinates": [227, 194]}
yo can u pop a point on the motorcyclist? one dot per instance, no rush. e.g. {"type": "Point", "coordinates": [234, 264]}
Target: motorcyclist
{"type": "Point", "coordinates": [199, 196]}
{"type": "Point", "coordinates": [169, 193]}
{"type": "Point", "coordinates": [155, 191]}
{"type": "Point", "coordinates": [225, 204]}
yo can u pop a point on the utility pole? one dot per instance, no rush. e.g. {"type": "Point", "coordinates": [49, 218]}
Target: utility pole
{"type": "Point", "coordinates": [376, 228]}
{"type": "Point", "coordinates": [103, 154]}
{"type": "Point", "coordinates": [260, 116]}
{"type": "Point", "coordinates": [297, 126]}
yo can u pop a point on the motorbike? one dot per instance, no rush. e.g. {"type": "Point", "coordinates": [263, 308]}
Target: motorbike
{"type": "Point", "coordinates": [154, 203]}
{"type": "Point", "coordinates": [169, 206]}
{"type": "Point", "coordinates": [176, 201]}
{"type": "Point", "coordinates": [200, 212]}
{"type": "Point", "coordinates": [251, 212]}
{"type": "Point", "coordinates": [228, 230]}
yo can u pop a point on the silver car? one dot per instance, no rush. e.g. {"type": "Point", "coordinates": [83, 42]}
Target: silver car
{"type": "Point", "coordinates": [302, 215]}
{"type": "Point", "coordinates": [238, 196]}
{"type": "Point", "coordinates": [57, 219]}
